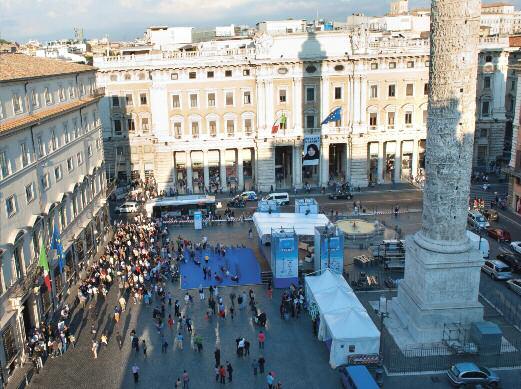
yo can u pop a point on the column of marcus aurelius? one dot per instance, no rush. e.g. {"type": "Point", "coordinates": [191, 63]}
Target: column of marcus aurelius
{"type": "Point", "coordinates": [442, 271]}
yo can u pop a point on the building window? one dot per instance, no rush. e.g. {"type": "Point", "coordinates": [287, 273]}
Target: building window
{"type": "Point", "coordinates": [229, 98]}
{"type": "Point", "coordinates": [488, 58]}
{"type": "Point", "coordinates": [10, 206]}
{"type": "Point", "coordinates": [115, 101]}
{"type": "Point", "coordinates": [246, 97]}
{"type": "Point", "coordinates": [66, 135]}
{"type": "Point", "coordinates": [212, 128]}
{"type": "Point", "coordinates": [40, 146]}
{"type": "Point", "coordinates": [17, 103]}
{"type": "Point", "coordinates": [4, 164]}
{"type": "Point", "coordinates": [230, 127]}
{"type": "Point", "coordinates": [72, 92]}
{"type": "Point", "coordinates": [246, 72]}
{"type": "Point", "coordinates": [485, 108]}
{"type": "Point", "coordinates": [117, 127]}
{"type": "Point", "coordinates": [177, 130]}
{"type": "Point", "coordinates": [282, 96]}
{"type": "Point", "coordinates": [374, 91]}
{"type": "Point", "coordinates": [195, 129]}
{"type": "Point", "coordinates": [89, 151]}
{"type": "Point", "coordinates": [210, 74]}
{"type": "Point", "coordinates": [61, 93]}
{"type": "Point", "coordinates": [426, 89]}
{"type": "Point", "coordinates": [310, 121]}
{"type": "Point", "coordinates": [128, 99]}
{"type": "Point", "coordinates": [176, 101]}
{"type": "Point", "coordinates": [410, 64]}
{"type": "Point", "coordinates": [144, 125]}
{"type": "Point", "coordinates": [48, 96]}
{"type": "Point", "coordinates": [131, 125]}
{"type": "Point", "coordinates": [143, 99]}
{"type": "Point", "coordinates": [79, 158]}
{"type": "Point", "coordinates": [24, 151]}
{"type": "Point", "coordinates": [174, 76]}
{"type": "Point", "coordinates": [54, 140]}
{"type": "Point", "coordinates": [310, 94]}
{"type": "Point", "coordinates": [227, 73]}
{"type": "Point", "coordinates": [193, 101]}
{"type": "Point", "coordinates": [192, 75]}
{"type": "Point", "coordinates": [211, 99]}
{"type": "Point", "coordinates": [483, 133]}
{"type": "Point", "coordinates": [70, 164]}
{"type": "Point", "coordinates": [247, 126]}
{"type": "Point", "coordinates": [392, 90]}
{"type": "Point", "coordinates": [408, 118]}
{"type": "Point", "coordinates": [374, 65]}
{"type": "Point", "coordinates": [35, 99]}
{"type": "Point", "coordinates": [373, 119]}
{"type": "Point", "coordinates": [392, 65]}
{"type": "Point", "coordinates": [486, 82]}
{"type": "Point", "coordinates": [338, 92]}
{"type": "Point", "coordinates": [409, 90]}
{"type": "Point", "coordinates": [29, 192]}
{"type": "Point", "coordinates": [425, 116]}
{"type": "Point", "coordinates": [98, 143]}
{"type": "Point", "coordinates": [390, 120]}
{"type": "Point", "coordinates": [46, 181]}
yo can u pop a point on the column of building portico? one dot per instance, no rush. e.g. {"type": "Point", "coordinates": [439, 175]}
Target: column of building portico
{"type": "Point", "coordinates": [415, 157]}
{"type": "Point", "coordinates": [398, 162]}
{"type": "Point", "coordinates": [380, 167]}
{"type": "Point", "coordinates": [324, 164]}
{"type": "Point", "coordinates": [206, 170]}
{"type": "Point", "coordinates": [189, 175]}
{"type": "Point", "coordinates": [297, 166]}
{"type": "Point", "coordinates": [222, 167]}
{"type": "Point", "coordinates": [324, 111]}
{"type": "Point", "coordinates": [240, 170]}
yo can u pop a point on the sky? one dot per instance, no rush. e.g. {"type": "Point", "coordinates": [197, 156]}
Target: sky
{"type": "Point", "coordinates": [21, 20]}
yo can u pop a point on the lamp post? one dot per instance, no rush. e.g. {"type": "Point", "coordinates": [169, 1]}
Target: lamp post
{"type": "Point", "coordinates": [382, 313]}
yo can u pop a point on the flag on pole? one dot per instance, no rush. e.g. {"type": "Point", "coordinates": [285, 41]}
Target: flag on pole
{"type": "Point", "coordinates": [279, 123]}
{"type": "Point", "coordinates": [333, 116]}
{"type": "Point", "coordinates": [45, 265]}
{"type": "Point", "coordinates": [56, 244]}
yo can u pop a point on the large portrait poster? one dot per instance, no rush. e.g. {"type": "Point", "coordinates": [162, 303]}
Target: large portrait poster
{"type": "Point", "coordinates": [311, 150]}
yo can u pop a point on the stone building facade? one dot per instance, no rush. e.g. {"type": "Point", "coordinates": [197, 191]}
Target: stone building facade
{"type": "Point", "coordinates": [51, 173]}
{"type": "Point", "coordinates": [203, 119]}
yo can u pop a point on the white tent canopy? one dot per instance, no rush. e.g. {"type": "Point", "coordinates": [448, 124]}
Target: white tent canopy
{"type": "Point", "coordinates": [304, 225]}
{"type": "Point", "coordinates": [343, 318]}
{"type": "Point", "coordinates": [351, 332]}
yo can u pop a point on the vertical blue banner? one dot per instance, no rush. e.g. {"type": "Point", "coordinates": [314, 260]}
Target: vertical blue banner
{"type": "Point", "coordinates": [198, 220]}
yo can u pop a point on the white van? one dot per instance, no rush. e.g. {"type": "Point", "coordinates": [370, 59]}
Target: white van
{"type": "Point", "coordinates": [128, 207]}
{"type": "Point", "coordinates": [480, 244]}
{"type": "Point", "coordinates": [279, 198]}
{"type": "Point", "coordinates": [477, 220]}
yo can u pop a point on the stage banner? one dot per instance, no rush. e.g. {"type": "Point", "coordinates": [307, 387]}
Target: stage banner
{"type": "Point", "coordinates": [198, 220]}
{"type": "Point", "coordinates": [311, 150]}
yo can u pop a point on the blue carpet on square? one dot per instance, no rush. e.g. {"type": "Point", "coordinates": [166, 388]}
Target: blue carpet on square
{"type": "Point", "coordinates": [240, 261]}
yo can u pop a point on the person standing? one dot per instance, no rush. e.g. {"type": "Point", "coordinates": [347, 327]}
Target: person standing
{"type": "Point", "coordinates": [255, 366]}
{"type": "Point", "coordinates": [229, 369]}
{"type": "Point", "coordinates": [186, 379]}
{"type": "Point", "coordinates": [217, 373]}
{"type": "Point", "coordinates": [201, 293]}
{"type": "Point", "coordinates": [246, 347]}
{"type": "Point", "coordinates": [232, 299]}
{"type": "Point", "coordinates": [178, 383]}
{"type": "Point", "coordinates": [269, 380]}
{"type": "Point", "coordinates": [135, 373]}
{"type": "Point", "coordinates": [95, 349]}
{"type": "Point", "coordinates": [144, 346]}
{"type": "Point", "coordinates": [262, 338]}
{"type": "Point", "coordinates": [179, 341]}
{"type": "Point", "coordinates": [262, 361]}
{"type": "Point", "coordinates": [222, 374]}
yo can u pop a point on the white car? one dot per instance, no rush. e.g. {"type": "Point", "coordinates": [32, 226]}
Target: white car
{"type": "Point", "coordinates": [516, 246]}
{"type": "Point", "coordinates": [128, 207]}
{"type": "Point", "coordinates": [515, 285]}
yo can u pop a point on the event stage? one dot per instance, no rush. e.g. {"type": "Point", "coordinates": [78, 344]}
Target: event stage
{"type": "Point", "coordinates": [239, 261]}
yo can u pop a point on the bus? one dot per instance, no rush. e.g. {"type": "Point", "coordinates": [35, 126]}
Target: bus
{"type": "Point", "coordinates": [179, 206]}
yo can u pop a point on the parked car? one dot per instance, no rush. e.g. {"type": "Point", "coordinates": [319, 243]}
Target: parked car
{"type": "Point", "coordinates": [341, 195]}
{"type": "Point", "coordinates": [477, 220]}
{"type": "Point", "coordinates": [249, 195]}
{"type": "Point", "coordinates": [491, 215]}
{"type": "Point", "coordinates": [499, 234]}
{"type": "Point", "coordinates": [497, 270]}
{"type": "Point", "coordinates": [237, 202]}
{"type": "Point", "coordinates": [515, 285]}
{"type": "Point", "coordinates": [512, 260]}
{"type": "Point", "coordinates": [516, 246]}
{"type": "Point", "coordinates": [468, 373]}
{"type": "Point", "coordinates": [127, 207]}
{"type": "Point", "coordinates": [279, 198]}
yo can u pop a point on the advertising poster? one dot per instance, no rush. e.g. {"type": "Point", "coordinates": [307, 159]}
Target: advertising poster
{"type": "Point", "coordinates": [198, 220]}
{"type": "Point", "coordinates": [311, 150]}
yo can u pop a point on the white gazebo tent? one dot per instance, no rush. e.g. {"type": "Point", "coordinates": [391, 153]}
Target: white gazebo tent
{"type": "Point", "coordinates": [351, 332]}
{"type": "Point", "coordinates": [325, 281]}
{"type": "Point", "coordinates": [302, 224]}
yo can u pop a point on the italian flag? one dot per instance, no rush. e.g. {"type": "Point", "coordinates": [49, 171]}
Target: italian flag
{"type": "Point", "coordinates": [280, 122]}
{"type": "Point", "coordinates": [45, 265]}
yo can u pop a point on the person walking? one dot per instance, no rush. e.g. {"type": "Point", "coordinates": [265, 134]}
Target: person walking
{"type": "Point", "coordinates": [179, 341]}
{"type": "Point", "coordinates": [135, 372]}
{"type": "Point", "coordinates": [164, 346]}
{"type": "Point", "coordinates": [95, 349]}
{"type": "Point", "coordinates": [269, 380]}
{"type": "Point", "coordinates": [255, 366]}
{"type": "Point", "coordinates": [217, 356]}
{"type": "Point", "coordinates": [216, 373]}
{"type": "Point", "coordinates": [246, 348]}
{"type": "Point", "coordinates": [201, 293]}
{"type": "Point", "coordinates": [222, 374]}
{"type": "Point", "coordinates": [229, 369]}
{"type": "Point", "coordinates": [144, 347]}
{"type": "Point", "coordinates": [186, 379]}
{"type": "Point", "coordinates": [178, 383]}
{"type": "Point", "coordinates": [262, 338]}
{"type": "Point", "coordinates": [232, 310]}
{"type": "Point", "coordinates": [262, 361]}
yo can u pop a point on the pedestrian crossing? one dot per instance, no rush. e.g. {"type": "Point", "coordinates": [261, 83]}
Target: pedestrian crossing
{"type": "Point", "coordinates": [489, 194]}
